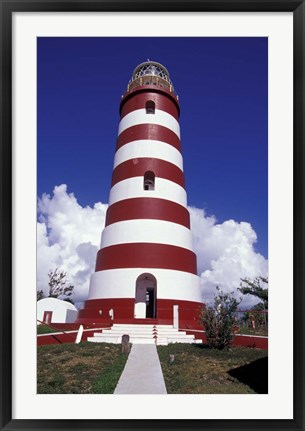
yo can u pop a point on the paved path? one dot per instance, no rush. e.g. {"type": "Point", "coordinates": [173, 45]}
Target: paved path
{"type": "Point", "coordinates": [142, 373]}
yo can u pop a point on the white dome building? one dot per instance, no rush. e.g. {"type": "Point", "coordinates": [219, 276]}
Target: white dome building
{"type": "Point", "coordinates": [53, 310]}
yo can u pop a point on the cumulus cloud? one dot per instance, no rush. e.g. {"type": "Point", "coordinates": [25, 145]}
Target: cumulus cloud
{"type": "Point", "coordinates": [68, 237]}
{"type": "Point", "coordinates": [225, 253]}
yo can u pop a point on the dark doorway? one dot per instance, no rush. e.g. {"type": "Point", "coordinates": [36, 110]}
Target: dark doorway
{"type": "Point", "coordinates": [150, 303]}
{"type": "Point", "coordinates": [146, 297]}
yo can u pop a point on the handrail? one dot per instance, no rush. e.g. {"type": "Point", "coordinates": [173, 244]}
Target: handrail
{"type": "Point", "coordinates": [57, 330]}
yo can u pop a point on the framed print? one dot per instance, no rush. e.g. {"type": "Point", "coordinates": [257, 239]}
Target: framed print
{"type": "Point", "coordinates": [236, 70]}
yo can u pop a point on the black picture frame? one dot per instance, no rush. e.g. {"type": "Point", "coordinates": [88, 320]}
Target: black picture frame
{"type": "Point", "coordinates": [8, 7]}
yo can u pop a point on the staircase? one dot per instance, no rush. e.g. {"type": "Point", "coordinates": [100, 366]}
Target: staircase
{"type": "Point", "coordinates": [143, 334]}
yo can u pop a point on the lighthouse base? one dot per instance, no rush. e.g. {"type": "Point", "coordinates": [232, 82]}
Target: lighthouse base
{"type": "Point", "coordinates": [106, 312]}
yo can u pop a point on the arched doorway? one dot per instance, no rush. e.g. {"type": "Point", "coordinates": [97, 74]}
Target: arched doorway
{"type": "Point", "coordinates": [146, 297]}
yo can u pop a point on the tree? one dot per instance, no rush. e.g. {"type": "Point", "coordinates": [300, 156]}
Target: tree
{"type": "Point", "coordinates": [59, 285]}
{"type": "Point", "coordinates": [255, 288]}
{"type": "Point", "coordinates": [40, 295]}
{"type": "Point", "coordinates": [259, 314]}
{"type": "Point", "coordinates": [219, 320]}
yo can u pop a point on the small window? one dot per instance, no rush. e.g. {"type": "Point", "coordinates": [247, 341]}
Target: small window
{"type": "Point", "coordinates": [150, 107]}
{"type": "Point", "coordinates": [149, 181]}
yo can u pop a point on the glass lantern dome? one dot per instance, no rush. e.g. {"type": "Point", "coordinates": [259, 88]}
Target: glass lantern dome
{"type": "Point", "coordinates": [151, 73]}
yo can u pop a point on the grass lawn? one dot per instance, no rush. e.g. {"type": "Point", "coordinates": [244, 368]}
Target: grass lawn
{"type": "Point", "coordinates": [263, 331]}
{"type": "Point", "coordinates": [42, 329]}
{"type": "Point", "coordinates": [199, 370]}
{"type": "Point", "coordinates": [85, 368]}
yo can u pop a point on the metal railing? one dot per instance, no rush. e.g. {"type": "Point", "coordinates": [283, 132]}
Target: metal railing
{"type": "Point", "coordinates": [151, 80]}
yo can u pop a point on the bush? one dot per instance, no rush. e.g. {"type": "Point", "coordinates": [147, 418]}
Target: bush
{"type": "Point", "coordinates": [219, 320]}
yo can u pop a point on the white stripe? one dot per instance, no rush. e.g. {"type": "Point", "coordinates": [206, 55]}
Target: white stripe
{"type": "Point", "coordinates": [133, 188]}
{"type": "Point", "coordinates": [121, 283]}
{"type": "Point", "coordinates": [152, 231]}
{"type": "Point", "coordinates": [148, 148]}
{"type": "Point", "coordinates": [75, 331]}
{"type": "Point", "coordinates": [139, 116]}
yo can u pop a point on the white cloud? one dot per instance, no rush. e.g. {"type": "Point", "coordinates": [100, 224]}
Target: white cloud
{"type": "Point", "coordinates": [68, 236]}
{"type": "Point", "coordinates": [225, 253]}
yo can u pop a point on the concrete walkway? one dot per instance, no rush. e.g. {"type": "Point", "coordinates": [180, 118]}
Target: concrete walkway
{"type": "Point", "coordinates": [142, 373]}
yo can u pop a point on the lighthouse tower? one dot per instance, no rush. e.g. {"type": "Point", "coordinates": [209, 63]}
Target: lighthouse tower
{"type": "Point", "coordinates": [146, 268]}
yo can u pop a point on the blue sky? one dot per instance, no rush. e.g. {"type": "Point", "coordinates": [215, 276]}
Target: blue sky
{"type": "Point", "coordinates": [223, 92]}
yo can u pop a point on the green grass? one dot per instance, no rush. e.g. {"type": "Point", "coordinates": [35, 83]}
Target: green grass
{"type": "Point", "coordinates": [107, 381]}
{"type": "Point", "coordinates": [199, 370]}
{"type": "Point", "coordinates": [85, 368]}
{"type": "Point", "coordinates": [89, 368]}
{"type": "Point", "coordinates": [262, 331]}
{"type": "Point", "coordinates": [42, 329]}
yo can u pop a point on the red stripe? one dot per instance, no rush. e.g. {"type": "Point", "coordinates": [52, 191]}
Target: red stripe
{"type": "Point", "coordinates": [165, 92]}
{"type": "Point", "coordinates": [146, 255]}
{"type": "Point", "coordinates": [148, 131]}
{"type": "Point", "coordinates": [147, 208]}
{"type": "Point", "coordinates": [123, 308]}
{"type": "Point", "coordinates": [138, 167]}
{"type": "Point", "coordinates": [139, 102]}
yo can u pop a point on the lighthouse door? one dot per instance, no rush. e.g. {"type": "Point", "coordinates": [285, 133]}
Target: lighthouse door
{"type": "Point", "coordinates": [145, 298]}
{"type": "Point", "coordinates": [150, 302]}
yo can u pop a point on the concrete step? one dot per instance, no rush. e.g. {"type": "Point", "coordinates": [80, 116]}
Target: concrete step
{"type": "Point", "coordinates": [135, 325]}
{"type": "Point", "coordinates": [131, 331]}
{"type": "Point", "coordinates": [162, 342]}
{"type": "Point", "coordinates": [176, 336]}
{"type": "Point", "coordinates": [180, 340]}
{"type": "Point", "coordinates": [109, 334]}
{"type": "Point", "coordinates": [141, 340]}
{"type": "Point", "coordinates": [148, 333]}
{"type": "Point", "coordinates": [120, 334]}
{"type": "Point", "coordinates": [112, 340]}
{"type": "Point", "coordinates": [117, 340]}
{"type": "Point", "coordinates": [142, 334]}
{"type": "Point", "coordinates": [137, 340]}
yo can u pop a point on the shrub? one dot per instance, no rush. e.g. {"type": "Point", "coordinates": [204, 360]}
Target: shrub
{"type": "Point", "coordinates": [219, 320]}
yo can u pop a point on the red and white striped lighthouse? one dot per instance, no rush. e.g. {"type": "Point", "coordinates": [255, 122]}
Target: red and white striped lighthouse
{"type": "Point", "coordinates": [146, 268]}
